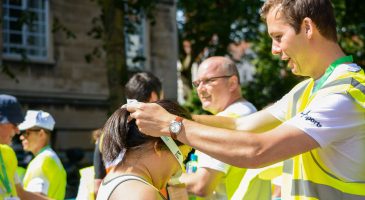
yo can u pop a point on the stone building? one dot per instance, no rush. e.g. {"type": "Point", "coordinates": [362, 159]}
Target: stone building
{"type": "Point", "coordinates": [51, 73]}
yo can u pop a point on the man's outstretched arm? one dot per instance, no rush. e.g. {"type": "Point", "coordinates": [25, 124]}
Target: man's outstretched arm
{"type": "Point", "coordinates": [266, 122]}
{"type": "Point", "coordinates": [239, 148]}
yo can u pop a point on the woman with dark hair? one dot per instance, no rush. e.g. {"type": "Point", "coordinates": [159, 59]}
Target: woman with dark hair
{"type": "Point", "coordinates": [143, 87]}
{"type": "Point", "coordinates": [147, 163]}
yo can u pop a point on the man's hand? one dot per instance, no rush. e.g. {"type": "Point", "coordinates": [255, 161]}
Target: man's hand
{"type": "Point", "coordinates": [151, 118]}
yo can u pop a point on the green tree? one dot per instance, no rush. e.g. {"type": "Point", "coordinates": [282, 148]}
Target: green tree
{"type": "Point", "coordinates": [351, 27]}
{"type": "Point", "coordinates": [228, 20]}
{"type": "Point", "coordinates": [116, 19]}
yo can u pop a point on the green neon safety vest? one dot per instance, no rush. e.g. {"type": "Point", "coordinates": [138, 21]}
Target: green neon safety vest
{"type": "Point", "coordinates": [21, 172]}
{"type": "Point", "coordinates": [305, 176]}
{"type": "Point", "coordinates": [256, 185]}
{"type": "Point", "coordinates": [8, 164]}
{"type": "Point", "coordinates": [233, 176]}
{"type": "Point", "coordinates": [47, 166]}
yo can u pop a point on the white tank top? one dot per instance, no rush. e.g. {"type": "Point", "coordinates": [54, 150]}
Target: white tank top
{"type": "Point", "coordinates": [107, 187]}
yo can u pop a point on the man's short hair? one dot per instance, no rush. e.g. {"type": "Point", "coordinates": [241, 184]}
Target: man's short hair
{"type": "Point", "coordinates": [231, 68]}
{"type": "Point", "coordinates": [141, 86]}
{"type": "Point", "coordinates": [294, 11]}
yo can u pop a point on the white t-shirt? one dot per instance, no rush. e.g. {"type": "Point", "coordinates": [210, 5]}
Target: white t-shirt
{"type": "Point", "coordinates": [237, 109]}
{"type": "Point", "coordinates": [337, 123]}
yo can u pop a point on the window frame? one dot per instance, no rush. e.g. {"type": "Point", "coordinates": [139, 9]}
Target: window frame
{"type": "Point", "coordinates": [48, 58]}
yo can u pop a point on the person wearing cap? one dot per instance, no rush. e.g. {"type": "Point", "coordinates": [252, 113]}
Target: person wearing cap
{"type": "Point", "coordinates": [45, 173]}
{"type": "Point", "coordinates": [10, 116]}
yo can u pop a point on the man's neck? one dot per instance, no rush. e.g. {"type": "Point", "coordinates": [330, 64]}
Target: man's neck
{"type": "Point", "coordinates": [232, 101]}
{"type": "Point", "coordinates": [331, 52]}
{"type": "Point", "coordinates": [39, 149]}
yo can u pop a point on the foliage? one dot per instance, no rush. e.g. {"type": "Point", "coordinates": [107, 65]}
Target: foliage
{"type": "Point", "coordinates": [116, 19]}
{"type": "Point", "coordinates": [228, 20]}
{"type": "Point", "coordinates": [272, 80]}
{"type": "Point", "coordinates": [351, 28]}
{"type": "Point", "coordinates": [58, 26]}
{"type": "Point", "coordinates": [193, 104]}
{"type": "Point", "coordinates": [132, 13]}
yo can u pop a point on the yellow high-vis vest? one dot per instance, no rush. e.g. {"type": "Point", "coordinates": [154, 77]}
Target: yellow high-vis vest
{"type": "Point", "coordinates": [47, 166]}
{"type": "Point", "coordinates": [306, 176]}
{"type": "Point", "coordinates": [7, 171]}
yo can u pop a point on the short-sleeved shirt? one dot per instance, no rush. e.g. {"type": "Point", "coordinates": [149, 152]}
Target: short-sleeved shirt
{"type": "Point", "coordinates": [337, 124]}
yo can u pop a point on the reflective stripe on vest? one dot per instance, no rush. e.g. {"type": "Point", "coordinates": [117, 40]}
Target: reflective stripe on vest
{"type": "Point", "coordinates": [306, 176]}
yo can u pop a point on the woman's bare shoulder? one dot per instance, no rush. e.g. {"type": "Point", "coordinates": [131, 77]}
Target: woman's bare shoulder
{"type": "Point", "coordinates": [134, 189]}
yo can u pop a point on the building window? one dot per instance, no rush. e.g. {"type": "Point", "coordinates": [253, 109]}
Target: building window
{"type": "Point", "coordinates": [26, 29]}
{"type": "Point", "coordinates": [135, 55]}
{"type": "Point", "coordinates": [135, 41]}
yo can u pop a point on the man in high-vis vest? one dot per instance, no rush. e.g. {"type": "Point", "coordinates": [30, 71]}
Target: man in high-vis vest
{"type": "Point", "coordinates": [10, 185]}
{"type": "Point", "coordinates": [45, 174]}
{"type": "Point", "coordinates": [317, 129]}
{"type": "Point", "coordinates": [218, 88]}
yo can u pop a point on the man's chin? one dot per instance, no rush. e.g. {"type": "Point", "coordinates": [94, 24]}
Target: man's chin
{"type": "Point", "coordinates": [294, 71]}
{"type": "Point", "coordinates": [205, 107]}
{"type": "Point", "coordinates": [25, 147]}
{"type": "Point", "coordinates": [293, 68]}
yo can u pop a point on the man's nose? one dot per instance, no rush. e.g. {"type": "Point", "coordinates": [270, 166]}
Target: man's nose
{"type": "Point", "coordinates": [22, 137]}
{"type": "Point", "coordinates": [200, 87]}
{"type": "Point", "coordinates": [275, 49]}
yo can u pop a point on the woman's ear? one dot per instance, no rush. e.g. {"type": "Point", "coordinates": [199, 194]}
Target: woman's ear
{"type": "Point", "coordinates": [153, 97]}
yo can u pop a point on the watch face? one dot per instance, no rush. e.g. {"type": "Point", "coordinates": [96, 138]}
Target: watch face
{"type": "Point", "coordinates": [175, 127]}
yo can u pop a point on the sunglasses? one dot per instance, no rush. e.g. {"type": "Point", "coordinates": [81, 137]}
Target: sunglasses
{"type": "Point", "coordinates": [28, 131]}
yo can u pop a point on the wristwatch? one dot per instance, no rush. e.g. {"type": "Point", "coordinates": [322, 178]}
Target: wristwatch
{"type": "Point", "coordinates": [175, 127]}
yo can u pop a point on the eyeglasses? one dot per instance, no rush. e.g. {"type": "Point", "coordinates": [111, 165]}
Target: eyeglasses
{"type": "Point", "coordinates": [27, 132]}
{"type": "Point", "coordinates": [208, 80]}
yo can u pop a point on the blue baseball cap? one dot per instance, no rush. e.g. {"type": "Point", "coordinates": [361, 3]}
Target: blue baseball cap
{"type": "Point", "coordinates": [10, 110]}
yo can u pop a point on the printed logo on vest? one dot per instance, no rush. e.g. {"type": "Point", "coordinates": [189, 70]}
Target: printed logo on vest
{"type": "Point", "coordinates": [310, 119]}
